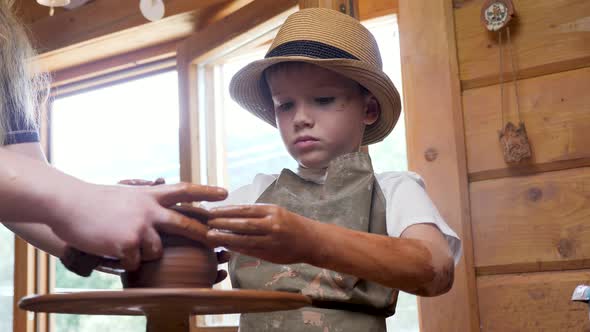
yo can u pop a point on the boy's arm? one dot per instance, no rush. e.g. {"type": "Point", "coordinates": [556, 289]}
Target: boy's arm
{"type": "Point", "coordinates": [419, 262]}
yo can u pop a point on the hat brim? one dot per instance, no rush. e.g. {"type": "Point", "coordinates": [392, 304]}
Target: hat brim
{"type": "Point", "coordinates": [249, 89]}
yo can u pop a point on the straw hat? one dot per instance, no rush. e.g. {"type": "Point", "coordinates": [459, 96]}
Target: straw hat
{"type": "Point", "coordinates": [334, 41]}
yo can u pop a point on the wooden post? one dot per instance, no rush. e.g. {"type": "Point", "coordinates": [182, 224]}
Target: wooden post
{"type": "Point", "coordinates": [24, 284]}
{"type": "Point", "coordinates": [436, 146]}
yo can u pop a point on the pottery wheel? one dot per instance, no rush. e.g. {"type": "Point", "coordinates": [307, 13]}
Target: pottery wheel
{"type": "Point", "coordinates": [167, 309]}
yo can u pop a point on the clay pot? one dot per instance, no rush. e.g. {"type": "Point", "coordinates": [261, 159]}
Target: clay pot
{"type": "Point", "coordinates": [185, 263]}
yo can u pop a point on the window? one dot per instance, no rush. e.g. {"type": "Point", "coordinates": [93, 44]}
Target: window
{"type": "Point", "coordinates": [127, 130]}
{"type": "Point", "coordinates": [247, 152]}
{"type": "Point", "coordinates": [241, 153]}
{"type": "Point", "coordinates": [6, 278]}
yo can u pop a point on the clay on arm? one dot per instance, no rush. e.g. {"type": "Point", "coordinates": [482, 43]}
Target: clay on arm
{"type": "Point", "coordinates": [419, 262]}
{"type": "Point", "coordinates": [39, 235]}
{"type": "Point", "coordinates": [442, 258]}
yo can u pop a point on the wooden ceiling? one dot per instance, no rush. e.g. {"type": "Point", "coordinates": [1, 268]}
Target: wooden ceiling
{"type": "Point", "coordinates": [102, 29]}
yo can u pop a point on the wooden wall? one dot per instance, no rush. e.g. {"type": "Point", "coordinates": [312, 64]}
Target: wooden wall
{"type": "Point", "coordinates": [530, 223]}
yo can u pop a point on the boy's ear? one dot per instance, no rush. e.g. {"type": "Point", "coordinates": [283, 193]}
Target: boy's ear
{"type": "Point", "coordinates": [372, 110]}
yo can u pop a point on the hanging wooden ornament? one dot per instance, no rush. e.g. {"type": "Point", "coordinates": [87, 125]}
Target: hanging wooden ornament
{"type": "Point", "coordinates": [515, 143]}
{"type": "Point", "coordinates": [496, 16]}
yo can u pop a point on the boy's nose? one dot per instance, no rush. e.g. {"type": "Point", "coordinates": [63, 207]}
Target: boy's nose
{"type": "Point", "coordinates": [303, 118]}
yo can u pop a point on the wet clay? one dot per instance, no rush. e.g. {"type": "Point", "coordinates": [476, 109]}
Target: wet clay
{"type": "Point", "coordinates": [185, 263]}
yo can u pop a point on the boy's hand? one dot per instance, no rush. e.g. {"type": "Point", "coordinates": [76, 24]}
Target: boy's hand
{"type": "Point", "coordinates": [265, 231]}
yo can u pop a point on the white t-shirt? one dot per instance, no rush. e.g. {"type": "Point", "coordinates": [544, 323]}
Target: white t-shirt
{"type": "Point", "coordinates": [407, 203]}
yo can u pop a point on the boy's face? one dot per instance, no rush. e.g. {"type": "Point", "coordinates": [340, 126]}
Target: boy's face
{"type": "Point", "coordinates": [320, 114]}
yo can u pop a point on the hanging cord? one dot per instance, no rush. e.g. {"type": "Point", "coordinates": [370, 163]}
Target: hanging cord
{"type": "Point", "coordinates": [514, 71]}
{"type": "Point", "coordinates": [501, 79]}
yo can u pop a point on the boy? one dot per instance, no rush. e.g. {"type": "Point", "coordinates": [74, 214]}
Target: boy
{"type": "Point", "coordinates": [332, 230]}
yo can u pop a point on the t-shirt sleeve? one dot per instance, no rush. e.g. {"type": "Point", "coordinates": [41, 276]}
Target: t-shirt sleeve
{"type": "Point", "coordinates": [20, 130]}
{"type": "Point", "coordinates": [408, 204]}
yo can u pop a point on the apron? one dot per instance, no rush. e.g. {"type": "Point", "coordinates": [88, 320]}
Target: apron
{"type": "Point", "coordinates": [350, 197]}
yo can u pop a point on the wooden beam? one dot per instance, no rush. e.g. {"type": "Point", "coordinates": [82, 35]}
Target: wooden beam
{"type": "Point", "coordinates": [361, 9]}
{"type": "Point", "coordinates": [369, 9]}
{"type": "Point", "coordinates": [30, 11]}
{"type": "Point", "coordinates": [216, 13]}
{"type": "Point", "coordinates": [349, 7]}
{"type": "Point", "coordinates": [238, 29]}
{"type": "Point", "coordinates": [81, 50]}
{"type": "Point", "coordinates": [69, 41]}
{"type": "Point", "coordinates": [106, 17]}
{"type": "Point", "coordinates": [127, 61]}
{"type": "Point", "coordinates": [434, 127]}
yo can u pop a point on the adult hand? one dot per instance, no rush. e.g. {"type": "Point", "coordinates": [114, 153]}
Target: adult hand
{"type": "Point", "coordinates": [118, 221]}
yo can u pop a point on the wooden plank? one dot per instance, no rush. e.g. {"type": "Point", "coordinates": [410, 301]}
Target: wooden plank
{"type": "Point", "coordinates": [555, 109]}
{"type": "Point", "coordinates": [106, 17]}
{"type": "Point", "coordinates": [532, 223]}
{"type": "Point", "coordinates": [529, 169]}
{"type": "Point", "coordinates": [538, 302]}
{"type": "Point", "coordinates": [90, 46]}
{"type": "Point", "coordinates": [133, 73]}
{"type": "Point", "coordinates": [548, 37]}
{"type": "Point", "coordinates": [117, 63]}
{"type": "Point", "coordinates": [30, 11]}
{"type": "Point", "coordinates": [124, 42]}
{"type": "Point", "coordinates": [364, 9]}
{"type": "Point", "coordinates": [349, 7]}
{"type": "Point", "coordinates": [217, 12]}
{"type": "Point", "coordinates": [238, 29]}
{"type": "Point", "coordinates": [369, 9]}
{"type": "Point", "coordinates": [24, 284]}
{"type": "Point", "coordinates": [434, 123]}
{"type": "Point", "coordinates": [42, 287]}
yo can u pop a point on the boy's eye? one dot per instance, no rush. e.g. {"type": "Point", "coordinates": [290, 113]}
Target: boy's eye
{"type": "Point", "coordinates": [324, 100]}
{"type": "Point", "coordinates": [285, 106]}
